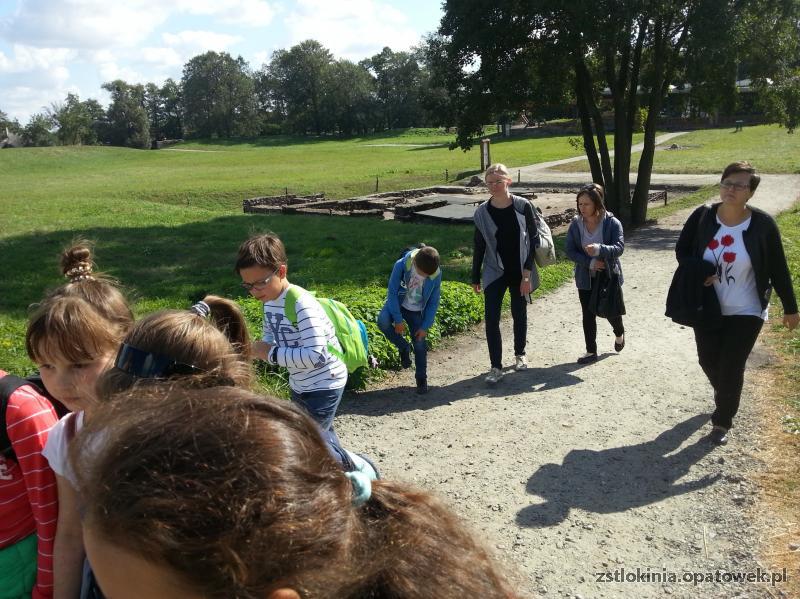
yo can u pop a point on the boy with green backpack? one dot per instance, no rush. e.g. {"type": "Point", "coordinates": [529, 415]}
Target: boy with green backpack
{"type": "Point", "coordinates": [297, 332]}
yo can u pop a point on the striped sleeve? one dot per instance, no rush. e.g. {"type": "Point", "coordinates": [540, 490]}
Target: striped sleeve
{"type": "Point", "coordinates": [29, 418]}
{"type": "Point", "coordinates": [315, 330]}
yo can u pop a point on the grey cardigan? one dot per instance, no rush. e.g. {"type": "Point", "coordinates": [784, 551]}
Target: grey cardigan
{"type": "Point", "coordinates": [610, 250]}
{"type": "Point", "coordinates": [485, 253]}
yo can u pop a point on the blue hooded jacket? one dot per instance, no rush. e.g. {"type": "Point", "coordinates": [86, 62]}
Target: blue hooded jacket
{"type": "Point", "coordinates": [398, 283]}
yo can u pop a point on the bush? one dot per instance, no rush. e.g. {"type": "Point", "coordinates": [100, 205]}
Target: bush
{"type": "Point", "coordinates": [459, 309]}
{"type": "Point", "coordinates": [639, 120]}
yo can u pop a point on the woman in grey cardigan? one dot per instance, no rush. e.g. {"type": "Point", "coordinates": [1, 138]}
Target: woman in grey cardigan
{"type": "Point", "coordinates": [505, 239]}
{"type": "Point", "coordinates": [594, 243]}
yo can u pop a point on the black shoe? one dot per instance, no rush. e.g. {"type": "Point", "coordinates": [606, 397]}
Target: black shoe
{"type": "Point", "coordinates": [619, 346]}
{"type": "Point", "coordinates": [422, 387]}
{"type": "Point", "coordinates": [587, 359]}
{"type": "Point", "coordinates": [405, 358]}
{"type": "Point", "coordinates": [718, 435]}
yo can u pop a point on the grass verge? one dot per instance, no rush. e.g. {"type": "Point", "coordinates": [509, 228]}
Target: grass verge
{"type": "Point", "coordinates": [780, 482]}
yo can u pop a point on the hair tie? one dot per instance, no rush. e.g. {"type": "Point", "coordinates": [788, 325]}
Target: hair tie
{"type": "Point", "coordinates": [79, 273]}
{"type": "Point", "coordinates": [362, 487]}
{"type": "Point", "coordinates": [201, 308]}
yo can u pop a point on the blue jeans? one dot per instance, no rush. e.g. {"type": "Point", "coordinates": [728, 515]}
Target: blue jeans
{"type": "Point", "coordinates": [420, 346]}
{"type": "Point", "coordinates": [493, 305]}
{"type": "Point", "coordinates": [321, 406]}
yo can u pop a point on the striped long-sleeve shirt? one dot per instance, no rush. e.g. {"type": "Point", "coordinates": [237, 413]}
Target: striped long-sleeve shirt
{"type": "Point", "coordinates": [28, 493]}
{"type": "Point", "coordinates": [303, 349]}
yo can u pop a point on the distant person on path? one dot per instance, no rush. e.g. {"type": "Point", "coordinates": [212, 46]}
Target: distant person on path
{"type": "Point", "coordinates": [73, 337]}
{"type": "Point", "coordinates": [504, 244]}
{"type": "Point", "coordinates": [316, 376]}
{"type": "Point", "coordinates": [224, 493]}
{"type": "Point", "coordinates": [594, 243]}
{"type": "Point", "coordinates": [412, 298]}
{"type": "Point", "coordinates": [744, 259]}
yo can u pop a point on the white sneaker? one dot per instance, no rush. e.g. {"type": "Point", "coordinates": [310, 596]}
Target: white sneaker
{"type": "Point", "coordinates": [521, 363]}
{"type": "Point", "coordinates": [495, 374]}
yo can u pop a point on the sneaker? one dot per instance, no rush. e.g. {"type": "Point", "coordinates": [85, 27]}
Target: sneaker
{"type": "Point", "coordinates": [422, 386]}
{"type": "Point", "coordinates": [587, 358]}
{"type": "Point", "coordinates": [521, 362]}
{"type": "Point", "coordinates": [495, 374]}
{"type": "Point", "coordinates": [718, 435]}
{"type": "Point", "coordinates": [405, 358]}
{"type": "Point", "coordinates": [619, 345]}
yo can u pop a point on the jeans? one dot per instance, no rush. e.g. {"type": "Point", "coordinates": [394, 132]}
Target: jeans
{"type": "Point", "coordinates": [590, 321]}
{"type": "Point", "coordinates": [723, 353]}
{"type": "Point", "coordinates": [420, 346]}
{"type": "Point", "coordinates": [493, 303]}
{"type": "Point", "coordinates": [321, 406]}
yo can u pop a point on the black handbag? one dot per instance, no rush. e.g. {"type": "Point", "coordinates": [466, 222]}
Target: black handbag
{"type": "Point", "coordinates": [606, 299]}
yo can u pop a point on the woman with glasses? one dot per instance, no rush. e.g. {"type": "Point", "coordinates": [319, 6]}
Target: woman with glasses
{"type": "Point", "coordinates": [505, 239]}
{"type": "Point", "coordinates": [736, 249]}
{"type": "Point", "coordinates": [594, 243]}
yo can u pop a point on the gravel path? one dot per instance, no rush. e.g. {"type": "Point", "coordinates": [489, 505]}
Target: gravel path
{"type": "Point", "coordinates": [569, 471]}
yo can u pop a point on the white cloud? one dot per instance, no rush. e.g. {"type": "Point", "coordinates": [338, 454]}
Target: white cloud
{"type": "Point", "coordinates": [83, 23]}
{"type": "Point", "coordinates": [351, 29]}
{"type": "Point", "coordinates": [28, 58]}
{"type": "Point", "coordinates": [246, 13]}
{"type": "Point", "coordinates": [199, 41]}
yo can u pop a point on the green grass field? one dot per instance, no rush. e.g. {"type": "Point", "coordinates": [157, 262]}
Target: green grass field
{"type": "Point", "coordinates": [768, 147]}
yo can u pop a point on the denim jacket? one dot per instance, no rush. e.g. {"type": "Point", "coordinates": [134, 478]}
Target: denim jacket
{"type": "Point", "coordinates": [610, 250]}
{"type": "Point", "coordinates": [398, 283]}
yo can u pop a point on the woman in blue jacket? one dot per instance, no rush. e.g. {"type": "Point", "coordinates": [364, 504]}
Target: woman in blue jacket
{"type": "Point", "coordinates": [594, 243]}
{"type": "Point", "coordinates": [412, 298]}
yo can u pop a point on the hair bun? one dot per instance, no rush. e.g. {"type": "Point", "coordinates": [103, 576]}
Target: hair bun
{"type": "Point", "coordinates": [76, 262]}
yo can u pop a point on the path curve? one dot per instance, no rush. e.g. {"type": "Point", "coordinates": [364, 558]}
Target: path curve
{"type": "Point", "coordinates": [568, 471]}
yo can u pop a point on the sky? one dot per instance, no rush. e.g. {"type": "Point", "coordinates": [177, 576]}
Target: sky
{"type": "Point", "coordinates": [49, 48]}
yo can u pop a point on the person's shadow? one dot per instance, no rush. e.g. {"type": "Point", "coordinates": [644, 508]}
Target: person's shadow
{"type": "Point", "coordinates": [617, 479]}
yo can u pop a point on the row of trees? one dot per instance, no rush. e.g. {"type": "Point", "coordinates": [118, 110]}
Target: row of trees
{"type": "Point", "coordinates": [531, 55]}
{"type": "Point", "coordinates": [301, 90]}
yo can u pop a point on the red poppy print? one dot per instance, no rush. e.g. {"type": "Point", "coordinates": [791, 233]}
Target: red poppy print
{"type": "Point", "coordinates": [724, 258]}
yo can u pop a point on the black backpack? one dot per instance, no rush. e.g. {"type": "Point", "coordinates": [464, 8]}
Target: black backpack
{"type": "Point", "coordinates": [9, 384]}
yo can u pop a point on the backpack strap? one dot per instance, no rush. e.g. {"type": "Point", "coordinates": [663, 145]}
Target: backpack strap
{"type": "Point", "coordinates": [8, 385]}
{"type": "Point", "coordinates": [290, 304]}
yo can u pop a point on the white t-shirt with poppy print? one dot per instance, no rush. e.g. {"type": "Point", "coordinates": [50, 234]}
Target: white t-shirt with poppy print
{"type": "Point", "coordinates": [736, 284]}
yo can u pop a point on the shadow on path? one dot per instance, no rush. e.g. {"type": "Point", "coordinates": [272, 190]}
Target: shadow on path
{"type": "Point", "coordinates": [381, 402]}
{"type": "Point", "coordinates": [617, 479]}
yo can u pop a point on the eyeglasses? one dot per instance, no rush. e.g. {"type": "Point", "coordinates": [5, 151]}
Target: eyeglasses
{"type": "Point", "coordinates": [734, 185]}
{"type": "Point", "coordinates": [259, 285]}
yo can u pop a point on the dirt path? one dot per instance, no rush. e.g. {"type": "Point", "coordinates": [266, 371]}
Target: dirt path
{"type": "Point", "coordinates": [569, 471]}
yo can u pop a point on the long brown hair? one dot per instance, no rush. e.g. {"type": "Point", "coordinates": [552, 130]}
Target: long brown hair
{"type": "Point", "coordinates": [217, 345]}
{"type": "Point", "coordinates": [82, 318]}
{"type": "Point", "coordinates": [238, 495]}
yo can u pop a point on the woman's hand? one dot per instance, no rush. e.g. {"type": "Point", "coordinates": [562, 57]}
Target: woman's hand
{"type": "Point", "coordinates": [790, 321]}
{"type": "Point", "coordinates": [593, 249]}
{"type": "Point", "coordinates": [476, 287]}
{"type": "Point", "coordinates": [710, 280]}
{"type": "Point", "coordinates": [598, 264]}
{"type": "Point", "coordinates": [400, 328]}
{"type": "Point", "coordinates": [525, 287]}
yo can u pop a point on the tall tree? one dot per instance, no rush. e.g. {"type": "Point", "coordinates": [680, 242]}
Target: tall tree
{"type": "Point", "coordinates": [634, 48]}
{"type": "Point", "coordinates": [127, 122]}
{"type": "Point", "coordinates": [219, 96]}
{"type": "Point", "coordinates": [294, 84]}
{"type": "Point", "coordinates": [39, 131]}
{"type": "Point", "coordinates": [399, 81]}
{"type": "Point", "coordinates": [172, 99]}
{"type": "Point", "coordinates": [350, 100]}
{"type": "Point", "coordinates": [77, 122]}
{"type": "Point", "coordinates": [12, 125]}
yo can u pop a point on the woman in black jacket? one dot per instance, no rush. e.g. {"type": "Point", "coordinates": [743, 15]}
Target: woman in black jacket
{"type": "Point", "coordinates": [741, 252]}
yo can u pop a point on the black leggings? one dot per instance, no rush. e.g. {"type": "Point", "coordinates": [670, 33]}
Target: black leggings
{"type": "Point", "coordinates": [723, 354]}
{"type": "Point", "coordinates": [590, 322]}
{"type": "Point", "coordinates": [493, 303]}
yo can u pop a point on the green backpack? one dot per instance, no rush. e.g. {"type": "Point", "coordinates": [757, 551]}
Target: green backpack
{"type": "Point", "coordinates": [351, 332]}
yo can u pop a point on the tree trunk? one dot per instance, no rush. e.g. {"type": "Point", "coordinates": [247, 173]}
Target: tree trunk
{"type": "Point", "coordinates": [583, 96]}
